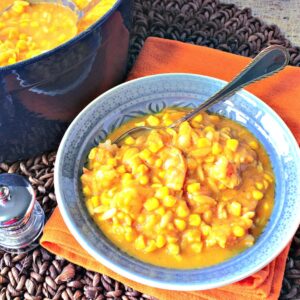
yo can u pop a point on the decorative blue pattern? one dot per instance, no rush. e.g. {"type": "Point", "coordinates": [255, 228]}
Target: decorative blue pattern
{"type": "Point", "coordinates": [150, 95]}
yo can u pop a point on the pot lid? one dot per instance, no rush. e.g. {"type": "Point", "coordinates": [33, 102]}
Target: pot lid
{"type": "Point", "coordinates": [16, 199]}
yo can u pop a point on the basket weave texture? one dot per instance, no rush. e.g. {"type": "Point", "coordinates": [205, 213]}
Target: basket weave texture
{"type": "Point", "coordinates": [41, 275]}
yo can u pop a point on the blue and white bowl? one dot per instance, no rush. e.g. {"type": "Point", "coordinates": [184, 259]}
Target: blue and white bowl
{"type": "Point", "coordinates": [150, 95]}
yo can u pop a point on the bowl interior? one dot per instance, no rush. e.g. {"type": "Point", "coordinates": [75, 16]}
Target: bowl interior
{"type": "Point", "coordinates": [150, 95]}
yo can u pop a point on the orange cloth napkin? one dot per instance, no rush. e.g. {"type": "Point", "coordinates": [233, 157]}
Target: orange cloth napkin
{"type": "Point", "coordinates": [282, 92]}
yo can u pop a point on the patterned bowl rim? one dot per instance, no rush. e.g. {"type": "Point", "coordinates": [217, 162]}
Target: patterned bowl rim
{"type": "Point", "coordinates": [176, 286]}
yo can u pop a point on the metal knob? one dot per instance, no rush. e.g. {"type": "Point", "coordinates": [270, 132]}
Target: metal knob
{"type": "Point", "coordinates": [21, 216]}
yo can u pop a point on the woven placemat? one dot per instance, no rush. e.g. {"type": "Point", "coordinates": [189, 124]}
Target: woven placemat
{"type": "Point", "coordinates": [39, 274]}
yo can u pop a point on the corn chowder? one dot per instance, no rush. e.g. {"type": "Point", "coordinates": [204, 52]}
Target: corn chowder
{"type": "Point", "coordinates": [27, 30]}
{"type": "Point", "coordinates": [181, 198]}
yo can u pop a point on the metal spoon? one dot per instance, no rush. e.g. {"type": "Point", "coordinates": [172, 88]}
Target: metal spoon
{"type": "Point", "coordinates": [266, 63]}
{"type": "Point", "coordinates": [81, 13]}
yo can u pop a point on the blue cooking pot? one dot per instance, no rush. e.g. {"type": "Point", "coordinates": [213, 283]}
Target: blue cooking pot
{"type": "Point", "coordinates": [39, 97]}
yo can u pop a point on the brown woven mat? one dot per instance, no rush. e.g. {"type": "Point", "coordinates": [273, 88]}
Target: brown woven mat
{"type": "Point", "coordinates": [40, 275]}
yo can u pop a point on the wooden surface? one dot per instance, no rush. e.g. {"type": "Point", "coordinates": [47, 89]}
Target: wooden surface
{"type": "Point", "coordinates": [284, 13]}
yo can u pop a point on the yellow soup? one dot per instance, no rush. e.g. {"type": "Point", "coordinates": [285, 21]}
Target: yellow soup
{"type": "Point", "coordinates": [181, 198]}
{"type": "Point", "coordinates": [27, 30]}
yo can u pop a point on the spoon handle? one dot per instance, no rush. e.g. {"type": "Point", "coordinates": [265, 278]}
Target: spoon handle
{"type": "Point", "coordinates": [267, 62]}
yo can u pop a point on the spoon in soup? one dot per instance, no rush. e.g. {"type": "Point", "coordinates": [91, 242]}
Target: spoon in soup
{"type": "Point", "coordinates": [80, 13]}
{"type": "Point", "coordinates": [266, 63]}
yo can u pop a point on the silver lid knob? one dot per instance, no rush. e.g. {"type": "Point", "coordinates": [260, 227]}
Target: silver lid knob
{"type": "Point", "coordinates": [17, 199]}
{"type": "Point", "coordinates": [4, 194]}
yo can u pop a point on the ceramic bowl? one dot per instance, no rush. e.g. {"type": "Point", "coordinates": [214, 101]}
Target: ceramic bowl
{"type": "Point", "coordinates": [39, 97]}
{"type": "Point", "coordinates": [150, 95]}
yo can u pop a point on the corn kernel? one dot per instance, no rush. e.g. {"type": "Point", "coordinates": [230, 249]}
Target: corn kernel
{"type": "Point", "coordinates": [93, 153]}
{"type": "Point", "coordinates": [160, 241]}
{"type": "Point", "coordinates": [112, 162]}
{"type": "Point", "coordinates": [162, 174]}
{"type": "Point", "coordinates": [194, 220]}
{"type": "Point", "coordinates": [121, 169]}
{"type": "Point", "coordinates": [180, 224]}
{"type": "Point", "coordinates": [216, 148]}
{"type": "Point", "coordinates": [155, 147]}
{"type": "Point", "coordinates": [140, 243]}
{"type": "Point", "coordinates": [127, 220]}
{"type": "Point", "coordinates": [151, 204]}
{"type": "Point", "coordinates": [160, 211]}
{"type": "Point", "coordinates": [120, 215]}
{"type": "Point", "coordinates": [168, 122]}
{"type": "Point", "coordinates": [86, 191]}
{"type": "Point", "coordinates": [165, 219]}
{"type": "Point", "coordinates": [142, 168]}
{"type": "Point", "coordinates": [221, 240]}
{"type": "Point", "coordinates": [138, 124]}
{"type": "Point", "coordinates": [145, 154]}
{"type": "Point", "coordinates": [156, 180]}
{"type": "Point", "coordinates": [182, 211]}
{"type": "Point", "coordinates": [153, 121]}
{"type": "Point", "coordinates": [207, 216]}
{"type": "Point", "coordinates": [209, 128]}
{"type": "Point", "coordinates": [197, 247]}
{"type": "Point", "coordinates": [203, 143]}
{"type": "Point", "coordinates": [249, 240]}
{"type": "Point", "coordinates": [205, 229]}
{"type": "Point", "coordinates": [232, 144]}
{"type": "Point", "coordinates": [162, 192]}
{"type": "Point", "coordinates": [12, 60]}
{"type": "Point", "coordinates": [254, 145]}
{"type": "Point", "coordinates": [198, 118]}
{"type": "Point", "coordinates": [130, 153]}
{"type": "Point", "coordinates": [193, 187]}
{"type": "Point", "coordinates": [257, 195]}
{"type": "Point", "coordinates": [18, 7]}
{"type": "Point", "coordinates": [184, 141]}
{"type": "Point", "coordinates": [141, 219]}
{"type": "Point", "coordinates": [126, 177]}
{"type": "Point", "coordinates": [151, 246]}
{"type": "Point", "coordinates": [238, 231]}
{"type": "Point", "coordinates": [22, 45]}
{"type": "Point", "coordinates": [129, 236]}
{"type": "Point", "coordinates": [90, 207]}
{"type": "Point", "coordinates": [259, 185]}
{"type": "Point", "coordinates": [150, 221]}
{"type": "Point", "coordinates": [171, 227]}
{"type": "Point", "coordinates": [210, 135]}
{"type": "Point", "coordinates": [129, 140]}
{"type": "Point", "coordinates": [169, 201]}
{"type": "Point", "coordinates": [172, 239]}
{"type": "Point", "coordinates": [173, 249]}
{"type": "Point", "coordinates": [268, 177]}
{"type": "Point", "coordinates": [266, 184]}
{"type": "Point", "coordinates": [144, 180]}
{"type": "Point", "coordinates": [192, 235]}
{"type": "Point", "coordinates": [34, 24]}
{"type": "Point", "coordinates": [235, 208]}
{"type": "Point", "coordinates": [158, 163]}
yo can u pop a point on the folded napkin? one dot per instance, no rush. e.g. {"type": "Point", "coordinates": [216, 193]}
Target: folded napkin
{"type": "Point", "coordinates": [281, 92]}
